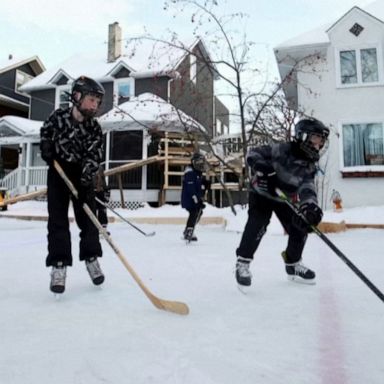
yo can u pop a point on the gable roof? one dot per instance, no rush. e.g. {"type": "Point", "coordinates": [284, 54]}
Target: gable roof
{"type": "Point", "coordinates": [144, 58]}
{"type": "Point", "coordinates": [13, 63]}
{"type": "Point", "coordinates": [319, 35]}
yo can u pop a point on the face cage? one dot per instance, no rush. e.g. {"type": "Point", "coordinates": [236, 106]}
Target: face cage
{"type": "Point", "coordinates": [198, 164]}
{"type": "Point", "coordinates": [307, 147]}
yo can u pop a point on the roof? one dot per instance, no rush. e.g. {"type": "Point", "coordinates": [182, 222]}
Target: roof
{"type": "Point", "coordinates": [142, 57]}
{"type": "Point", "coordinates": [148, 111]}
{"type": "Point", "coordinates": [7, 65]}
{"type": "Point", "coordinates": [319, 35]}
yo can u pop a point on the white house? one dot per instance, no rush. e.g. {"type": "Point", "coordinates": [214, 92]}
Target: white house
{"type": "Point", "coordinates": [338, 77]}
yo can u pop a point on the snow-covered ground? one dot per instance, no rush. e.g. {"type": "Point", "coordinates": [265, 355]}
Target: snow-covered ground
{"type": "Point", "coordinates": [279, 332]}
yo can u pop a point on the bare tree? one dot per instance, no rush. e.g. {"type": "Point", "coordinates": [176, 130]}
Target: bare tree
{"type": "Point", "coordinates": [259, 108]}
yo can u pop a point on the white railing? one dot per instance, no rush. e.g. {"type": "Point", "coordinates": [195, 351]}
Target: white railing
{"type": "Point", "coordinates": [22, 179]}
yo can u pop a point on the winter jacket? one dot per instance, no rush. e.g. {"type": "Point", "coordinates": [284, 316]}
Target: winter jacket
{"type": "Point", "coordinates": [192, 186]}
{"type": "Point", "coordinates": [75, 142]}
{"type": "Point", "coordinates": [294, 173]}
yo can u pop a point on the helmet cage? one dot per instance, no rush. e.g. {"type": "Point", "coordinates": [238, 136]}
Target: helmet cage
{"type": "Point", "coordinates": [305, 131]}
{"type": "Point", "coordinates": [198, 162]}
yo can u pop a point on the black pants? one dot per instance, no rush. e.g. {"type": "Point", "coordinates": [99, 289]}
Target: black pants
{"type": "Point", "coordinates": [194, 217]}
{"type": "Point", "coordinates": [59, 238]}
{"type": "Point", "coordinates": [259, 215]}
{"type": "Point", "coordinates": [101, 211]}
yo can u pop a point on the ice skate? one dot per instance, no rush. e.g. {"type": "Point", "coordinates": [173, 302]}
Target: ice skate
{"type": "Point", "coordinates": [94, 270]}
{"type": "Point", "coordinates": [58, 276]}
{"type": "Point", "coordinates": [243, 274]}
{"type": "Point", "coordinates": [188, 235]}
{"type": "Point", "coordinates": [299, 273]}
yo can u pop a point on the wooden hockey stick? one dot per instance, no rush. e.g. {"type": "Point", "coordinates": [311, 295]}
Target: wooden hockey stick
{"type": "Point", "coordinates": [166, 305]}
{"type": "Point", "coordinates": [26, 196]}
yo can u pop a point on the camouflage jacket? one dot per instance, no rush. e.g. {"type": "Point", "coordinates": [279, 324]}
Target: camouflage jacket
{"type": "Point", "coordinates": [295, 175]}
{"type": "Point", "coordinates": [75, 142]}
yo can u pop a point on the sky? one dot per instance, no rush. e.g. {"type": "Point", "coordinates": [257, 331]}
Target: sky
{"type": "Point", "coordinates": [277, 332]}
{"type": "Point", "coordinates": [55, 30]}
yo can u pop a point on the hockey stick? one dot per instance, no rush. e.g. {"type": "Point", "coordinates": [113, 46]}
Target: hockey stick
{"type": "Point", "coordinates": [166, 305]}
{"type": "Point", "coordinates": [283, 197]}
{"type": "Point", "coordinates": [124, 219]}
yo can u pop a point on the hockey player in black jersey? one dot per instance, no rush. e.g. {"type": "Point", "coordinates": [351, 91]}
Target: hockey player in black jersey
{"type": "Point", "coordinates": [291, 168]}
{"type": "Point", "coordinates": [73, 138]}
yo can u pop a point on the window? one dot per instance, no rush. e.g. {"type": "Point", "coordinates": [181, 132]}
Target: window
{"type": "Point", "coordinates": [21, 79]}
{"type": "Point", "coordinates": [359, 66]}
{"type": "Point", "coordinates": [193, 68]}
{"type": "Point", "coordinates": [124, 89]}
{"type": "Point", "coordinates": [63, 99]}
{"type": "Point", "coordinates": [363, 144]}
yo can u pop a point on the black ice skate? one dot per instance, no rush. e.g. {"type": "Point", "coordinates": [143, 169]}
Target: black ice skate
{"type": "Point", "coordinates": [58, 275]}
{"type": "Point", "coordinates": [94, 270]}
{"type": "Point", "coordinates": [188, 235]}
{"type": "Point", "coordinates": [299, 273]}
{"type": "Point", "coordinates": [243, 274]}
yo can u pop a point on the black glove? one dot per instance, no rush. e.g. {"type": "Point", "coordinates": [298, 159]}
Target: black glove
{"type": "Point", "coordinates": [201, 205]}
{"type": "Point", "coordinates": [264, 179]}
{"type": "Point", "coordinates": [47, 150]}
{"type": "Point", "coordinates": [312, 214]}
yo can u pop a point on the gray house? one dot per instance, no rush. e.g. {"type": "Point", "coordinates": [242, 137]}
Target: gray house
{"type": "Point", "coordinates": [179, 79]}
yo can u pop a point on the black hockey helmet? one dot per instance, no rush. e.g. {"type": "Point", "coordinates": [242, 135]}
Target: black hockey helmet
{"type": "Point", "coordinates": [86, 86]}
{"type": "Point", "coordinates": [198, 162]}
{"type": "Point", "coordinates": [305, 130]}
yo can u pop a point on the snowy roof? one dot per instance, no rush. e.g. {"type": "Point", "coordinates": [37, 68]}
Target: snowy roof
{"type": "Point", "coordinates": [7, 65]}
{"type": "Point", "coordinates": [15, 130]}
{"type": "Point", "coordinates": [142, 57]}
{"type": "Point", "coordinates": [148, 111]}
{"type": "Point", "coordinates": [319, 35]}
{"type": "Point", "coordinates": [21, 125]}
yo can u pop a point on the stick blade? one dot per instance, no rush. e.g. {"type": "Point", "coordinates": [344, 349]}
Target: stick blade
{"type": "Point", "coordinates": [171, 306]}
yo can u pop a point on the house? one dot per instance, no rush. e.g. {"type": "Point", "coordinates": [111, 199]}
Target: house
{"type": "Point", "coordinates": [343, 85]}
{"type": "Point", "coordinates": [14, 72]}
{"type": "Point", "coordinates": [182, 80]}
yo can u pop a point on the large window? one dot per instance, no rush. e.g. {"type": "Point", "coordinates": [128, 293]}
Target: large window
{"type": "Point", "coordinates": [363, 144]}
{"type": "Point", "coordinates": [359, 66]}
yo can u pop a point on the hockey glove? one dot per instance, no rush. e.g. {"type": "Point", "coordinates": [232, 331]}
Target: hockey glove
{"type": "Point", "coordinates": [310, 215]}
{"type": "Point", "coordinates": [47, 151]}
{"type": "Point", "coordinates": [264, 180]}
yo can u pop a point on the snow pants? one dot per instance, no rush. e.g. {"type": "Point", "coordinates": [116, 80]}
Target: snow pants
{"type": "Point", "coordinates": [194, 217]}
{"type": "Point", "coordinates": [259, 215]}
{"type": "Point", "coordinates": [59, 237]}
{"type": "Point", "coordinates": [101, 211]}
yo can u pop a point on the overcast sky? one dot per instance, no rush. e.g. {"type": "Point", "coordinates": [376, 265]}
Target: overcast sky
{"type": "Point", "coordinates": [56, 29]}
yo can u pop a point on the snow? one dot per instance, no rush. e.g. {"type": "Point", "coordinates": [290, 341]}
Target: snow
{"type": "Point", "coordinates": [148, 110]}
{"type": "Point", "coordinates": [279, 332]}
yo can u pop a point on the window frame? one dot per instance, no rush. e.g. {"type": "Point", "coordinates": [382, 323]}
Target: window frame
{"type": "Point", "coordinates": [357, 50]}
{"type": "Point", "coordinates": [30, 77]}
{"type": "Point", "coordinates": [358, 168]}
{"type": "Point", "coordinates": [116, 84]}
{"type": "Point", "coordinates": [59, 90]}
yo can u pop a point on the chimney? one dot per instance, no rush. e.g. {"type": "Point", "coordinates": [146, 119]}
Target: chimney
{"type": "Point", "coordinates": [114, 42]}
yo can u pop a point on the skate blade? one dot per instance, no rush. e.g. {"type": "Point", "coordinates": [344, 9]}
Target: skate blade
{"type": "Point", "coordinates": [244, 289]}
{"type": "Point", "coordinates": [300, 280]}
